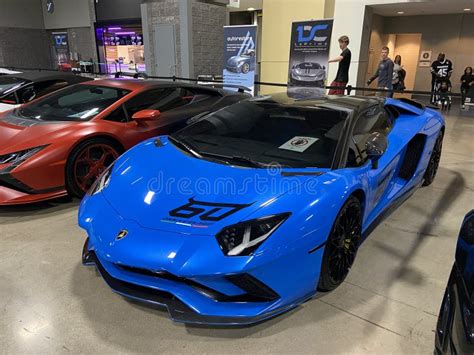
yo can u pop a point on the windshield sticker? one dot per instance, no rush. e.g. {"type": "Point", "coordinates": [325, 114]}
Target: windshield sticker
{"type": "Point", "coordinates": [299, 144]}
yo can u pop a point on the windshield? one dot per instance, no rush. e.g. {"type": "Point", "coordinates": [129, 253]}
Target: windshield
{"type": "Point", "coordinates": [9, 84]}
{"type": "Point", "coordinates": [75, 103]}
{"type": "Point", "coordinates": [309, 68]}
{"type": "Point", "coordinates": [267, 133]}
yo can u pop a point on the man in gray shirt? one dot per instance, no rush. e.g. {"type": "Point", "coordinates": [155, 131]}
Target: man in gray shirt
{"type": "Point", "coordinates": [384, 74]}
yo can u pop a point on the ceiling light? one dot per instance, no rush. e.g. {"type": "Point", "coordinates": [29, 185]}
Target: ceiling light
{"type": "Point", "coordinates": [251, 9]}
{"type": "Point", "coordinates": [467, 9]}
{"type": "Point", "coordinates": [400, 12]}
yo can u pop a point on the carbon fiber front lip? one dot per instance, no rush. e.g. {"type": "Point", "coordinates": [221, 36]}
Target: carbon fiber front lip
{"type": "Point", "coordinates": [178, 311]}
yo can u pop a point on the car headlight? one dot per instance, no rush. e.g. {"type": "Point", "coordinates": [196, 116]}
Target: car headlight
{"type": "Point", "coordinates": [20, 156]}
{"type": "Point", "coordinates": [245, 237]}
{"type": "Point", "coordinates": [102, 182]}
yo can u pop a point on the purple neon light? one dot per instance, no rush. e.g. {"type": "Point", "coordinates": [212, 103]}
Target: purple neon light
{"type": "Point", "coordinates": [125, 33]}
{"type": "Point", "coordinates": [114, 28]}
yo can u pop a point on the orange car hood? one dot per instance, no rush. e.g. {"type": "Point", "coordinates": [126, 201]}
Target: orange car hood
{"type": "Point", "coordinates": [17, 134]}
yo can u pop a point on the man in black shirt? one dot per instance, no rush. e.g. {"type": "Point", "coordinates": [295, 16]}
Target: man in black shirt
{"type": "Point", "coordinates": [344, 60]}
{"type": "Point", "coordinates": [441, 69]}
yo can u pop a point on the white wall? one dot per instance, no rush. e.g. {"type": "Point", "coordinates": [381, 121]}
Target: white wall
{"type": "Point", "coordinates": [67, 14]}
{"type": "Point", "coordinates": [21, 14]}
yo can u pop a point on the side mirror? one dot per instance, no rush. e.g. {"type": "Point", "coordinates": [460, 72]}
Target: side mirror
{"type": "Point", "coordinates": [146, 115]}
{"type": "Point", "coordinates": [375, 147]}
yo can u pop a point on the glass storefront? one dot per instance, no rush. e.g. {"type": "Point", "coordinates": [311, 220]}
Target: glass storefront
{"type": "Point", "coordinates": [120, 48]}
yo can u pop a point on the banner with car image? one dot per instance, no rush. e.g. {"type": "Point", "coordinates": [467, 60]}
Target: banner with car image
{"type": "Point", "coordinates": [240, 50]}
{"type": "Point", "coordinates": [309, 55]}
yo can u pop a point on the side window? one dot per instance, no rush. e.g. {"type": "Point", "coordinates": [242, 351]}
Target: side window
{"type": "Point", "coordinates": [374, 119]}
{"type": "Point", "coordinates": [163, 99]}
{"type": "Point", "coordinates": [143, 101]}
{"type": "Point", "coordinates": [26, 94]}
{"type": "Point", "coordinates": [46, 87]}
{"type": "Point", "coordinates": [9, 99]}
{"type": "Point", "coordinates": [118, 115]}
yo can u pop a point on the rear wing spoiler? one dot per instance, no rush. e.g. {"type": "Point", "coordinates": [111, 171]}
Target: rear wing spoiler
{"type": "Point", "coordinates": [221, 85]}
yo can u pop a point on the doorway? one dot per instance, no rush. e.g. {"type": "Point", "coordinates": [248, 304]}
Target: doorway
{"type": "Point", "coordinates": [408, 47]}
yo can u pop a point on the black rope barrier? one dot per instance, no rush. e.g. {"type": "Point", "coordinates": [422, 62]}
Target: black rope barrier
{"type": "Point", "coordinates": [349, 88]}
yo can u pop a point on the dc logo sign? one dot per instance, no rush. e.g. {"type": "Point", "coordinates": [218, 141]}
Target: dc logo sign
{"type": "Point", "coordinates": [309, 33]}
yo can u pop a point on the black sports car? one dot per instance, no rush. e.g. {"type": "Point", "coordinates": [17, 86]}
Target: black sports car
{"type": "Point", "coordinates": [20, 88]}
{"type": "Point", "coordinates": [455, 328]}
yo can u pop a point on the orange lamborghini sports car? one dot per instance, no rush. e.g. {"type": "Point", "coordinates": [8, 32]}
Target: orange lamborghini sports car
{"type": "Point", "coordinates": [59, 144]}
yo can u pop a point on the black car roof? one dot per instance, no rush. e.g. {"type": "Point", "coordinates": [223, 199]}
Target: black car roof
{"type": "Point", "coordinates": [135, 84]}
{"type": "Point", "coordinates": [357, 103]}
{"type": "Point", "coordinates": [43, 75]}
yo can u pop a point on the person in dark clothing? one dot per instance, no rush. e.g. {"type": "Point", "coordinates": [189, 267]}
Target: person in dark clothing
{"type": "Point", "coordinates": [444, 93]}
{"type": "Point", "coordinates": [467, 82]}
{"type": "Point", "coordinates": [440, 69]}
{"type": "Point", "coordinates": [344, 59]}
{"type": "Point", "coordinates": [384, 74]}
{"type": "Point", "coordinates": [399, 74]}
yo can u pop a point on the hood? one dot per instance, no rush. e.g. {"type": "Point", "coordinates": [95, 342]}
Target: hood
{"type": "Point", "coordinates": [168, 190]}
{"type": "Point", "coordinates": [18, 134]}
{"type": "Point", "coordinates": [316, 74]}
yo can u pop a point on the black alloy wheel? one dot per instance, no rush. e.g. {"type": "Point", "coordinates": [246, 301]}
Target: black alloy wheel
{"type": "Point", "coordinates": [433, 165]}
{"type": "Point", "coordinates": [342, 245]}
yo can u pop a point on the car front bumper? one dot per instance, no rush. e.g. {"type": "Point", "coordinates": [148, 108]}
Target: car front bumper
{"type": "Point", "coordinates": [190, 275]}
{"type": "Point", "coordinates": [169, 291]}
{"type": "Point", "coordinates": [25, 183]}
{"type": "Point", "coordinates": [306, 80]}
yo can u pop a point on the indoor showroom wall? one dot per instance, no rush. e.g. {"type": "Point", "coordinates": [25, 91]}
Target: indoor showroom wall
{"type": "Point", "coordinates": [207, 34]}
{"type": "Point", "coordinates": [208, 23]}
{"type": "Point", "coordinates": [23, 39]}
{"type": "Point", "coordinates": [278, 16]}
{"type": "Point", "coordinates": [76, 18]}
{"type": "Point", "coordinates": [352, 19]}
{"type": "Point", "coordinates": [451, 34]}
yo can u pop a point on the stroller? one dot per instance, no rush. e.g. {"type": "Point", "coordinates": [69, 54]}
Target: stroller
{"type": "Point", "coordinates": [443, 93]}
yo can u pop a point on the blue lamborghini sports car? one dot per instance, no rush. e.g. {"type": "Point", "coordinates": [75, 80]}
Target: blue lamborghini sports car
{"type": "Point", "coordinates": [249, 211]}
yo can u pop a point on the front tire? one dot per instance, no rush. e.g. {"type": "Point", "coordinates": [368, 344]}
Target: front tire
{"type": "Point", "coordinates": [342, 245]}
{"type": "Point", "coordinates": [433, 165]}
{"type": "Point", "coordinates": [87, 162]}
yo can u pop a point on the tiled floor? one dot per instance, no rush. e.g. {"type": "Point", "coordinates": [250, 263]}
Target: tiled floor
{"type": "Point", "coordinates": [50, 303]}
